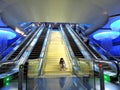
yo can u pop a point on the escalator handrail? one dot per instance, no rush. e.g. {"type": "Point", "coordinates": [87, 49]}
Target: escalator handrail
{"type": "Point", "coordinates": [74, 40]}
{"type": "Point", "coordinates": [116, 59]}
{"type": "Point", "coordinates": [84, 44]}
{"type": "Point", "coordinates": [19, 45]}
{"type": "Point", "coordinates": [24, 57]}
{"type": "Point", "coordinates": [70, 53]}
{"type": "Point", "coordinates": [45, 43]}
{"type": "Point", "coordinates": [66, 39]}
{"type": "Point", "coordinates": [73, 59]}
{"type": "Point", "coordinates": [45, 51]}
{"type": "Point", "coordinates": [27, 45]}
{"type": "Point", "coordinates": [116, 63]}
{"type": "Point", "coordinates": [16, 65]}
{"type": "Point", "coordinates": [17, 48]}
{"type": "Point", "coordinates": [10, 46]}
{"type": "Point", "coordinates": [13, 43]}
{"type": "Point", "coordinates": [5, 59]}
{"type": "Point", "coordinates": [82, 38]}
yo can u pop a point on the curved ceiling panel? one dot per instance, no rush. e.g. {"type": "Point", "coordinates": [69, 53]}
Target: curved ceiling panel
{"type": "Point", "coordinates": [78, 11]}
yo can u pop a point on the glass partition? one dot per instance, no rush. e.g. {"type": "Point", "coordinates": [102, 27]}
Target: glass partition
{"type": "Point", "coordinates": [95, 73]}
{"type": "Point", "coordinates": [86, 75]}
{"type": "Point", "coordinates": [82, 77]}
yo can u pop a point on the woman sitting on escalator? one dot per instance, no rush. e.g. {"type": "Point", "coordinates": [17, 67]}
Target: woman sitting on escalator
{"type": "Point", "coordinates": [62, 64]}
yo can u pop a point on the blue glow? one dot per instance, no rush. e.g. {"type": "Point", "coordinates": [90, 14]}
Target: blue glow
{"type": "Point", "coordinates": [115, 25]}
{"type": "Point", "coordinates": [115, 50]}
{"type": "Point", "coordinates": [7, 34]}
{"type": "Point", "coordinates": [106, 34]}
{"type": "Point", "coordinates": [111, 20]}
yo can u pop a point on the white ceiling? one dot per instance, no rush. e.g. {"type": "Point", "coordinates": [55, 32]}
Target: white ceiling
{"type": "Point", "coordinates": [78, 11]}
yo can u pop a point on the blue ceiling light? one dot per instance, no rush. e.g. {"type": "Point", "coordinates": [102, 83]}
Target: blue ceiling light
{"type": "Point", "coordinates": [115, 25]}
{"type": "Point", "coordinates": [106, 34]}
{"type": "Point", "coordinates": [7, 34]}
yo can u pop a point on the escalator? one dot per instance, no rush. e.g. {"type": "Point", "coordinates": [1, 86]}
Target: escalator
{"type": "Point", "coordinates": [105, 53]}
{"type": "Point", "coordinates": [74, 47]}
{"type": "Point", "coordinates": [110, 57]}
{"type": "Point", "coordinates": [20, 47]}
{"type": "Point", "coordinates": [6, 66]}
{"type": "Point", "coordinates": [92, 50]}
{"type": "Point", "coordinates": [10, 49]}
{"type": "Point", "coordinates": [38, 47]}
{"type": "Point", "coordinates": [88, 45]}
{"type": "Point", "coordinates": [34, 56]}
{"type": "Point", "coordinates": [110, 68]}
{"type": "Point", "coordinates": [55, 50]}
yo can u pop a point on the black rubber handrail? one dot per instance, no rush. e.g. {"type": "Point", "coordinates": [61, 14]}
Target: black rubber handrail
{"type": "Point", "coordinates": [73, 44]}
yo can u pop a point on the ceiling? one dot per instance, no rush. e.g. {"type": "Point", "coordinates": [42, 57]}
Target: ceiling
{"type": "Point", "coordinates": [94, 12]}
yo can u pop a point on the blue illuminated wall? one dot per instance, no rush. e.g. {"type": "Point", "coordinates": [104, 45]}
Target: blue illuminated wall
{"type": "Point", "coordinates": [111, 20]}
{"type": "Point", "coordinates": [115, 50]}
{"type": "Point", "coordinates": [115, 25]}
{"type": "Point", "coordinates": [109, 39]}
{"type": "Point", "coordinates": [7, 37]}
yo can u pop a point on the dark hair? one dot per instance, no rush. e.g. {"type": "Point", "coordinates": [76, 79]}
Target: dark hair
{"type": "Point", "coordinates": [61, 58]}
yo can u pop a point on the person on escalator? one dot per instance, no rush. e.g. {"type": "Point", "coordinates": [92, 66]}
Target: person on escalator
{"type": "Point", "coordinates": [62, 64]}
